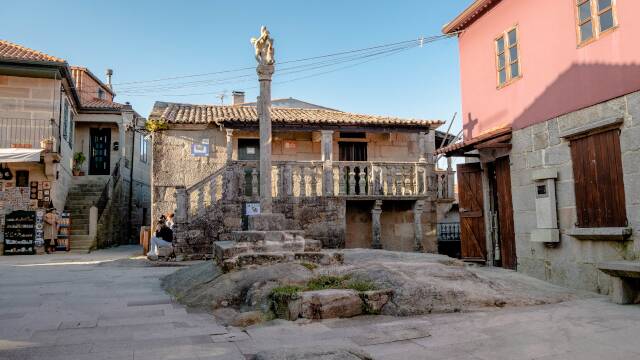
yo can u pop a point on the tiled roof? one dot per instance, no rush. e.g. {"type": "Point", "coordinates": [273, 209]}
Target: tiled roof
{"type": "Point", "coordinates": [218, 114]}
{"type": "Point", "coordinates": [9, 50]}
{"type": "Point", "coordinates": [97, 104]}
{"type": "Point", "coordinates": [475, 141]}
{"type": "Point", "coordinates": [469, 15]}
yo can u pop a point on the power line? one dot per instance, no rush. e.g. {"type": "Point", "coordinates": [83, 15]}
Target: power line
{"type": "Point", "coordinates": [419, 40]}
{"type": "Point", "coordinates": [283, 71]}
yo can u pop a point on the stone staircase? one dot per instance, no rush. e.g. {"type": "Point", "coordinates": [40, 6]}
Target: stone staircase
{"type": "Point", "coordinates": [267, 242]}
{"type": "Point", "coordinates": [82, 195]}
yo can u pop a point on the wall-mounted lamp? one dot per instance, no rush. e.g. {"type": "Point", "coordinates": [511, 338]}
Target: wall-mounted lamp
{"type": "Point", "coordinates": [116, 146]}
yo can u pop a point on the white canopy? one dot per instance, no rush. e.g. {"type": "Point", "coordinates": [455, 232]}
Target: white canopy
{"type": "Point", "coordinates": [8, 155]}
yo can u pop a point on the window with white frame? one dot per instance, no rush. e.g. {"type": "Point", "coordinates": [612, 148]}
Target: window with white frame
{"type": "Point", "coordinates": [65, 121]}
{"type": "Point", "coordinates": [507, 56]}
{"type": "Point", "coordinates": [594, 18]}
{"type": "Point", "coordinates": [144, 148]}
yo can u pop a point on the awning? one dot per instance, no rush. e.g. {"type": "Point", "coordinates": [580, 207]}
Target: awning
{"type": "Point", "coordinates": [9, 155]}
{"type": "Point", "coordinates": [495, 138]}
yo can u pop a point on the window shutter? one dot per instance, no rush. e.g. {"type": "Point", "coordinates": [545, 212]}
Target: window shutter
{"type": "Point", "coordinates": [599, 186]}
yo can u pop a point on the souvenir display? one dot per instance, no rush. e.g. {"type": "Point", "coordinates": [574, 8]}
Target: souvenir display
{"type": "Point", "coordinates": [19, 233]}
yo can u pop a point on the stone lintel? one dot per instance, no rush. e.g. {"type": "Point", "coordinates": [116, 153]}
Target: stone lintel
{"type": "Point", "coordinates": [592, 126]}
{"type": "Point", "coordinates": [604, 233]}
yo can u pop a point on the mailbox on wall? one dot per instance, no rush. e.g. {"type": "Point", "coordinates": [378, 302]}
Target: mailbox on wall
{"type": "Point", "coordinates": [546, 231]}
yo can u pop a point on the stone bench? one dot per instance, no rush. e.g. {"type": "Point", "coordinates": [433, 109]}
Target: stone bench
{"type": "Point", "coordinates": [625, 278]}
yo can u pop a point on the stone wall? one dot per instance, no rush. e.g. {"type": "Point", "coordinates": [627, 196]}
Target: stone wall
{"type": "Point", "coordinates": [572, 262]}
{"type": "Point", "coordinates": [396, 222]}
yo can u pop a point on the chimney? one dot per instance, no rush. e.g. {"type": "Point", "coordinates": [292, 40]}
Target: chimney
{"type": "Point", "coordinates": [109, 74]}
{"type": "Point", "coordinates": [238, 97]}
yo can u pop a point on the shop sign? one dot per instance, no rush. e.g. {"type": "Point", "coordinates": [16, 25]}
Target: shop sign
{"type": "Point", "coordinates": [252, 208]}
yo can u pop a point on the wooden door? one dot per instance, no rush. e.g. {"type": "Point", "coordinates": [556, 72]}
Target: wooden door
{"type": "Point", "coordinates": [100, 151]}
{"type": "Point", "coordinates": [505, 213]}
{"type": "Point", "coordinates": [473, 245]}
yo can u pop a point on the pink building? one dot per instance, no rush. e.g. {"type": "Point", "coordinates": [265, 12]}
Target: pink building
{"type": "Point", "coordinates": [551, 103]}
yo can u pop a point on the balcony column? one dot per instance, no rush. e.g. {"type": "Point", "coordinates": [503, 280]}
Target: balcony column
{"type": "Point", "coordinates": [376, 231]}
{"type": "Point", "coordinates": [182, 210]}
{"type": "Point", "coordinates": [451, 174]}
{"type": "Point", "coordinates": [429, 139]}
{"type": "Point", "coordinates": [326, 146]}
{"type": "Point", "coordinates": [418, 208]}
{"type": "Point", "coordinates": [229, 145]}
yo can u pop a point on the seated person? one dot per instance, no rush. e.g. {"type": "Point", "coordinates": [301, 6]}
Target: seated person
{"type": "Point", "coordinates": [163, 238]}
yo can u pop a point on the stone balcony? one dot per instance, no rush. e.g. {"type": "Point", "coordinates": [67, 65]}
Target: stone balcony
{"type": "Point", "coordinates": [354, 180]}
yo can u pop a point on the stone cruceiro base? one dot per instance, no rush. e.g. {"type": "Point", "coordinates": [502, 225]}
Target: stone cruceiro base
{"type": "Point", "coordinates": [268, 241]}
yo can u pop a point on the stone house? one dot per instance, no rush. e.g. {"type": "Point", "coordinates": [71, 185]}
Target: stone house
{"type": "Point", "coordinates": [43, 98]}
{"type": "Point", "coordinates": [341, 177]}
{"type": "Point", "coordinates": [551, 104]}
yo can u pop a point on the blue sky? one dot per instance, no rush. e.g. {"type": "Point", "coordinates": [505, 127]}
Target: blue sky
{"type": "Point", "coordinates": [143, 40]}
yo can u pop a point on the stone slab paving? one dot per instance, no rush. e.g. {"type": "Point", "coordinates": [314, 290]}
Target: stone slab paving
{"type": "Point", "coordinates": [95, 306]}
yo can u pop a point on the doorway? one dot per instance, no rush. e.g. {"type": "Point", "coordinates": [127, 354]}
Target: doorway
{"type": "Point", "coordinates": [501, 205]}
{"type": "Point", "coordinates": [99, 151]}
{"type": "Point", "coordinates": [473, 244]}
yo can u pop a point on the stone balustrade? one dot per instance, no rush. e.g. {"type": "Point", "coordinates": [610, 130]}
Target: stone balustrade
{"type": "Point", "coordinates": [239, 180]}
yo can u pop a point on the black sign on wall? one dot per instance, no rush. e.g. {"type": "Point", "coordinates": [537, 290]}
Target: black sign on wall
{"type": "Point", "coordinates": [20, 233]}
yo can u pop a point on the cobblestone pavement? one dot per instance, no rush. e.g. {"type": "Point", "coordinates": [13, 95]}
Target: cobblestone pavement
{"type": "Point", "coordinates": [69, 306]}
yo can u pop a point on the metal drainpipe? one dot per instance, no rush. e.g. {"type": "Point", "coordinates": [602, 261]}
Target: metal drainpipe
{"type": "Point", "coordinates": [133, 151]}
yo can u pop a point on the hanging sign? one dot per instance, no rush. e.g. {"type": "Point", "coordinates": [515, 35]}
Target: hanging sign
{"type": "Point", "coordinates": [252, 208]}
{"type": "Point", "coordinates": [200, 150]}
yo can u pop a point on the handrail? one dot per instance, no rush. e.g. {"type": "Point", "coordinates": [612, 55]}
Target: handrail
{"type": "Point", "coordinates": [206, 179]}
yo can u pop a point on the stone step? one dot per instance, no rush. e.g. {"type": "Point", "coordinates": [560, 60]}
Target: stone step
{"type": "Point", "coordinates": [227, 249]}
{"type": "Point", "coordinates": [251, 260]}
{"type": "Point", "coordinates": [256, 236]}
{"type": "Point", "coordinates": [80, 231]}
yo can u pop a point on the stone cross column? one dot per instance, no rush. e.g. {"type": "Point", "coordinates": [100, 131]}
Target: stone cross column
{"type": "Point", "coordinates": [182, 209]}
{"type": "Point", "coordinates": [418, 208]}
{"type": "Point", "coordinates": [229, 145]}
{"type": "Point", "coordinates": [265, 72]}
{"type": "Point", "coordinates": [327, 161]}
{"type": "Point", "coordinates": [376, 231]}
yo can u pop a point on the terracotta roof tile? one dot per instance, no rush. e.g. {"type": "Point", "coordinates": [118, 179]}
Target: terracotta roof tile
{"type": "Point", "coordinates": [9, 50]}
{"type": "Point", "coordinates": [97, 104]}
{"type": "Point", "coordinates": [174, 113]}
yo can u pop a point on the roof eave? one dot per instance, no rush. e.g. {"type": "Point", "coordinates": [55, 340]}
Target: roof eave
{"type": "Point", "coordinates": [466, 17]}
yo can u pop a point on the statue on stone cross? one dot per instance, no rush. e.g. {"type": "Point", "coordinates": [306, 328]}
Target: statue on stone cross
{"type": "Point", "coordinates": [264, 47]}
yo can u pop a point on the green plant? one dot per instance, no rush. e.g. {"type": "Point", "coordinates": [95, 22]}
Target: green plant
{"type": "Point", "coordinates": [155, 125]}
{"type": "Point", "coordinates": [310, 266]}
{"type": "Point", "coordinates": [327, 282]}
{"type": "Point", "coordinates": [361, 285]}
{"type": "Point", "coordinates": [78, 159]}
{"type": "Point", "coordinates": [285, 292]}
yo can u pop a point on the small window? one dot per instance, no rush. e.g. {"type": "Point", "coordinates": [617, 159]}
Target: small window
{"type": "Point", "coordinates": [599, 186]}
{"type": "Point", "coordinates": [72, 125]}
{"type": "Point", "coordinates": [100, 94]}
{"type": "Point", "coordinates": [594, 18]}
{"type": "Point", "coordinates": [144, 148]}
{"type": "Point", "coordinates": [507, 57]}
{"type": "Point", "coordinates": [65, 121]}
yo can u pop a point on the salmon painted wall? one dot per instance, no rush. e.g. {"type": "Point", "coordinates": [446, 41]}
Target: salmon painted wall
{"type": "Point", "coordinates": [558, 77]}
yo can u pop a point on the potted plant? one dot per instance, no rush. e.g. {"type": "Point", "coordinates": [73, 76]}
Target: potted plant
{"type": "Point", "coordinates": [78, 159]}
{"type": "Point", "coordinates": [47, 144]}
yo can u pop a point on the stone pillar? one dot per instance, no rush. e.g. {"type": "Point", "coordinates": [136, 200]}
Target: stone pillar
{"type": "Point", "coordinates": [229, 145]}
{"type": "Point", "coordinates": [451, 178]}
{"type": "Point", "coordinates": [376, 238]}
{"type": "Point", "coordinates": [127, 119]}
{"type": "Point", "coordinates": [265, 72]}
{"type": "Point", "coordinates": [181, 205]}
{"type": "Point", "coordinates": [327, 162]}
{"type": "Point", "coordinates": [418, 208]}
{"type": "Point", "coordinates": [430, 145]}
{"type": "Point", "coordinates": [422, 147]}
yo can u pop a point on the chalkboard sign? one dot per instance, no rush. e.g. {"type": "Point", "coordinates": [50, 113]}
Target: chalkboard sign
{"type": "Point", "coordinates": [19, 233]}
